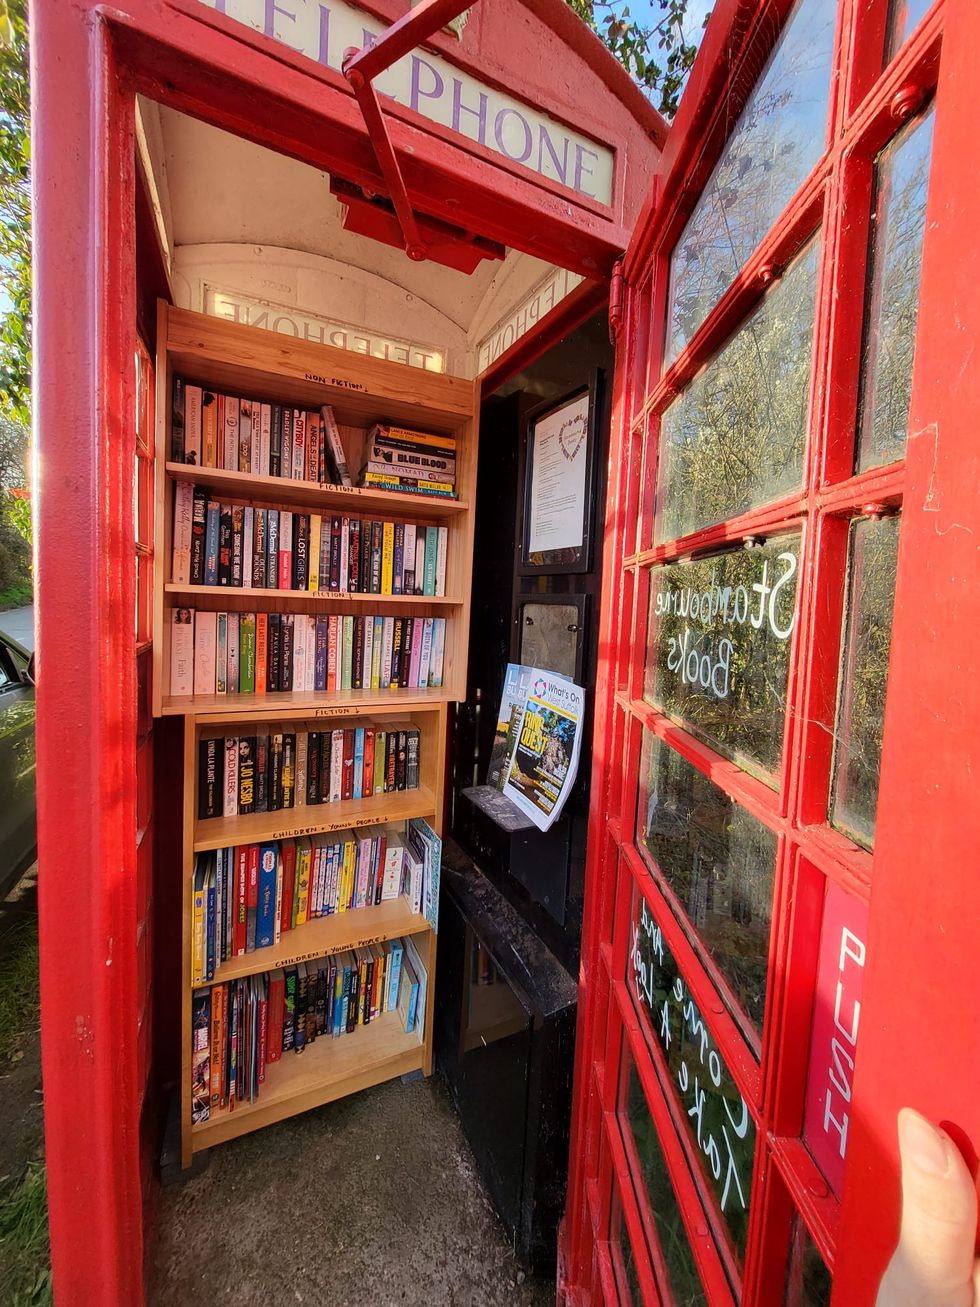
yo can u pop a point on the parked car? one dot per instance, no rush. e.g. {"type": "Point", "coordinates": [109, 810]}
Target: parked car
{"type": "Point", "coordinates": [18, 797]}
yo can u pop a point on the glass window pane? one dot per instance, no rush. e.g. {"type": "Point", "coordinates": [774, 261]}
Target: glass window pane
{"type": "Point", "coordinates": [734, 439]}
{"type": "Point", "coordinates": [902, 21]}
{"type": "Point", "coordinates": [624, 1263]}
{"type": "Point", "coordinates": [718, 647]}
{"type": "Point", "coordinates": [775, 143]}
{"type": "Point", "coordinates": [716, 1115]}
{"type": "Point", "coordinates": [873, 558]}
{"type": "Point", "coordinates": [893, 304]}
{"type": "Point", "coordinates": [719, 862]}
{"type": "Point", "coordinates": [808, 1282]}
{"type": "Point", "coordinates": [682, 1271]}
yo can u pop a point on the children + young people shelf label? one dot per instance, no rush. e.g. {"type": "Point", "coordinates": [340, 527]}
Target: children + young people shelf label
{"type": "Point", "coordinates": [431, 86]}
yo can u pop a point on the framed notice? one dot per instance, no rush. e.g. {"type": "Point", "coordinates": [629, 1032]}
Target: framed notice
{"type": "Point", "coordinates": [558, 456]}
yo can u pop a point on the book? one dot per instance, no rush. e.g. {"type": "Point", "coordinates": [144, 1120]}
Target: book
{"type": "Point", "coordinates": [200, 1057]}
{"type": "Point", "coordinates": [182, 664]}
{"type": "Point", "coordinates": [199, 517]}
{"type": "Point", "coordinates": [265, 922]}
{"type": "Point", "coordinates": [205, 629]}
{"type": "Point", "coordinates": [336, 461]}
{"type": "Point", "coordinates": [404, 437]}
{"type": "Point", "coordinates": [177, 422]}
{"type": "Point", "coordinates": [180, 571]}
{"type": "Point", "coordinates": [209, 429]}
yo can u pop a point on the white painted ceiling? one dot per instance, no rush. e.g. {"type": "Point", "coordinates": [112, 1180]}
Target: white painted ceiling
{"type": "Point", "coordinates": [217, 189]}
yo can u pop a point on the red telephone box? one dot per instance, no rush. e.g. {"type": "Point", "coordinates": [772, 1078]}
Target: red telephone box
{"type": "Point", "coordinates": [773, 938]}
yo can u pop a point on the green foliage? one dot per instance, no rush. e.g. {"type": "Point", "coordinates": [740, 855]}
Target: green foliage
{"type": "Point", "coordinates": [656, 56]}
{"type": "Point", "coordinates": [25, 1269]}
{"type": "Point", "coordinates": [15, 212]}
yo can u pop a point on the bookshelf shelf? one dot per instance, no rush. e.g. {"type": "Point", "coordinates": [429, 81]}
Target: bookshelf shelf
{"type": "Point", "coordinates": [237, 596]}
{"type": "Point", "coordinates": [327, 935]}
{"type": "Point", "coordinates": [357, 501]}
{"type": "Point", "coordinates": [290, 823]}
{"type": "Point", "coordinates": [216, 708]}
{"type": "Point", "coordinates": [246, 363]}
{"type": "Point", "coordinates": [326, 1070]}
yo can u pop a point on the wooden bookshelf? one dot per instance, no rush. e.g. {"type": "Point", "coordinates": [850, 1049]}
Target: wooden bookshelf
{"type": "Point", "coordinates": [268, 368]}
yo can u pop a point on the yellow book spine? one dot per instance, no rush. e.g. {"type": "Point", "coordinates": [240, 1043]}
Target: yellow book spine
{"type": "Point", "coordinates": [387, 556]}
{"type": "Point", "coordinates": [350, 854]}
{"type": "Point", "coordinates": [209, 431]}
{"type": "Point", "coordinates": [316, 522]}
{"type": "Point", "coordinates": [303, 877]}
{"type": "Point", "coordinates": [197, 938]}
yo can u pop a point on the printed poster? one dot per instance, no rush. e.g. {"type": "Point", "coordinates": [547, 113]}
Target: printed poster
{"type": "Point", "coordinates": [544, 765]}
{"type": "Point", "coordinates": [559, 462]}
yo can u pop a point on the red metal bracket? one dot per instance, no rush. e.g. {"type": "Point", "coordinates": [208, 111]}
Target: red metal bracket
{"type": "Point", "coordinates": [362, 66]}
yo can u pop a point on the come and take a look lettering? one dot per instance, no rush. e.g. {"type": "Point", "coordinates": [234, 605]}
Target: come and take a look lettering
{"type": "Point", "coordinates": [717, 1117]}
{"type": "Point", "coordinates": [719, 646]}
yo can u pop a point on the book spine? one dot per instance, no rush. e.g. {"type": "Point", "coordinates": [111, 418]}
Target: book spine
{"type": "Point", "coordinates": [208, 790]}
{"type": "Point", "coordinates": [212, 536]}
{"type": "Point", "coordinates": [285, 550]}
{"type": "Point", "coordinates": [442, 552]}
{"type": "Point", "coordinates": [316, 522]}
{"type": "Point", "coordinates": [237, 544]}
{"type": "Point", "coordinates": [394, 456]}
{"type": "Point", "coordinates": [180, 570]}
{"type": "Point", "coordinates": [255, 453]}
{"type": "Point", "coordinates": [431, 555]}
{"type": "Point", "coordinates": [209, 429]}
{"type": "Point", "coordinates": [182, 651]}
{"type": "Point", "coordinates": [265, 923]}
{"type": "Point", "coordinates": [377, 538]}
{"type": "Point", "coordinates": [205, 651]}
{"type": "Point", "coordinates": [398, 560]}
{"type": "Point", "coordinates": [265, 439]}
{"type": "Point", "coordinates": [312, 447]}
{"type": "Point", "coordinates": [404, 437]}
{"type": "Point", "coordinates": [387, 556]}
{"type": "Point", "coordinates": [320, 656]}
{"type": "Point", "coordinates": [199, 519]}
{"type": "Point", "coordinates": [354, 556]}
{"type": "Point", "coordinates": [244, 435]}
{"type": "Point", "coordinates": [248, 546]}
{"type": "Point", "coordinates": [413, 754]}
{"type": "Point", "coordinates": [301, 551]}
{"type": "Point", "coordinates": [286, 444]}
{"type": "Point", "coordinates": [344, 554]}
{"type": "Point", "coordinates": [275, 440]}
{"type": "Point", "coordinates": [335, 448]}
{"type": "Point", "coordinates": [224, 545]}
{"type": "Point", "coordinates": [408, 580]}
{"type": "Point", "coordinates": [221, 657]}
{"type": "Point", "coordinates": [438, 651]}
{"type": "Point", "coordinates": [425, 655]}
{"type": "Point", "coordinates": [252, 913]}
{"type": "Point", "coordinates": [230, 803]}
{"type": "Point", "coordinates": [229, 452]}
{"type": "Point", "coordinates": [177, 422]}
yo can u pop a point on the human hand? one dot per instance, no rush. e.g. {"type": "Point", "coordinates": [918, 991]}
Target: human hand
{"type": "Point", "coordinates": [934, 1264]}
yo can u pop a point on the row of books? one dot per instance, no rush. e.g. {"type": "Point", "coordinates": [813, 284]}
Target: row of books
{"type": "Point", "coordinates": [291, 768]}
{"type": "Point", "coordinates": [240, 1028]}
{"type": "Point", "coordinates": [397, 458]}
{"type": "Point", "coordinates": [244, 546]}
{"type": "Point", "coordinates": [247, 896]}
{"type": "Point", "coordinates": [209, 429]}
{"type": "Point", "coordinates": [270, 653]}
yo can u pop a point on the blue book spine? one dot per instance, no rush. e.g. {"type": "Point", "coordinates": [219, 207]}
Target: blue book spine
{"type": "Point", "coordinates": [358, 762]}
{"type": "Point", "coordinates": [396, 972]}
{"type": "Point", "coordinates": [211, 544]}
{"type": "Point", "coordinates": [265, 924]}
{"type": "Point", "coordinates": [211, 904]}
{"type": "Point", "coordinates": [398, 560]}
{"type": "Point", "coordinates": [320, 658]}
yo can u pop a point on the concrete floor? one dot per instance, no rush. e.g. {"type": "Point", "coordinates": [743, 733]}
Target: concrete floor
{"type": "Point", "coordinates": [373, 1200]}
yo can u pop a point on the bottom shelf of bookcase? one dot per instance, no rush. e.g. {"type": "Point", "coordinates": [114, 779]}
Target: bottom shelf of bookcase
{"type": "Point", "coordinates": [326, 1070]}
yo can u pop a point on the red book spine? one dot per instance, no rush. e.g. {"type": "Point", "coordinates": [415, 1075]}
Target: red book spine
{"type": "Point", "coordinates": [348, 774]}
{"type": "Point", "coordinates": [288, 885]}
{"type": "Point", "coordinates": [263, 1035]}
{"type": "Point", "coordinates": [273, 1043]}
{"type": "Point", "coordinates": [241, 899]}
{"type": "Point", "coordinates": [253, 896]}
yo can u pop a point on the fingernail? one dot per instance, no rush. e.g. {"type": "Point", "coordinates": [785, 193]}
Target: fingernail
{"type": "Point", "coordinates": [922, 1145]}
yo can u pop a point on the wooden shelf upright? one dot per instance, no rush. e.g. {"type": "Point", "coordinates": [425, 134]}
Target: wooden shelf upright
{"type": "Point", "coordinates": [266, 367]}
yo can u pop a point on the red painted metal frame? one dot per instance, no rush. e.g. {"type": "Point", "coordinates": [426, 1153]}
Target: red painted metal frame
{"type": "Point", "coordinates": [89, 62]}
{"type": "Point", "coordinates": [933, 713]}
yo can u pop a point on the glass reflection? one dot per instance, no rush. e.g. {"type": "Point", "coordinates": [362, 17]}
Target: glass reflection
{"type": "Point", "coordinates": [734, 439]}
{"type": "Point", "coordinates": [893, 303]}
{"type": "Point", "coordinates": [718, 647]}
{"type": "Point", "coordinates": [717, 1117]}
{"type": "Point", "coordinates": [873, 557]}
{"type": "Point", "coordinates": [777, 140]}
{"type": "Point", "coordinates": [685, 1283]}
{"type": "Point", "coordinates": [717, 859]}
{"type": "Point", "coordinates": [904, 18]}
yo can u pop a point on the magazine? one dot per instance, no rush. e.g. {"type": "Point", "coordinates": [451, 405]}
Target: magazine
{"type": "Point", "coordinates": [542, 769]}
{"type": "Point", "coordinates": [517, 682]}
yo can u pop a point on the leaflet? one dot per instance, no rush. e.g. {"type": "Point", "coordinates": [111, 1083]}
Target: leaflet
{"type": "Point", "coordinates": [544, 764]}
